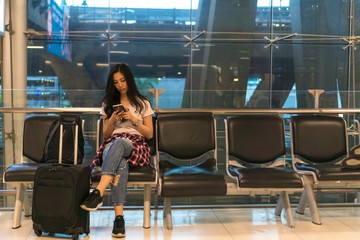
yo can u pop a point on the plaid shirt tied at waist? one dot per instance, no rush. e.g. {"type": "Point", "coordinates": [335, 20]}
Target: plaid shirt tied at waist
{"type": "Point", "coordinates": [140, 155]}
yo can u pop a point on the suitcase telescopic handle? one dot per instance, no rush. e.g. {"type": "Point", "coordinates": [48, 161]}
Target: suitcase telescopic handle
{"type": "Point", "coordinates": [73, 120]}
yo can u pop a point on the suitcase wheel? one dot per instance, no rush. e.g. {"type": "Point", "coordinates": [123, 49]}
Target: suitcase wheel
{"type": "Point", "coordinates": [75, 236]}
{"type": "Point", "coordinates": [37, 232]}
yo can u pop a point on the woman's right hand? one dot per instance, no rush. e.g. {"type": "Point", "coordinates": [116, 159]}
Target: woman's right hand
{"type": "Point", "coordinates": [116, 116]}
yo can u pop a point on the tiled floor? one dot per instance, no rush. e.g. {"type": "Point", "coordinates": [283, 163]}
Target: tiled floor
{"type": "Point", "coordinates": [210, 224]}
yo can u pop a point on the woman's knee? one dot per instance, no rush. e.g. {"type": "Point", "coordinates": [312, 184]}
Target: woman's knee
{"type": "Point", "coordinates": [124, 144]}
{"type": "Point", "coordinates": [117, 147]}
{"type": "Point", "coordinates": [121, 143]}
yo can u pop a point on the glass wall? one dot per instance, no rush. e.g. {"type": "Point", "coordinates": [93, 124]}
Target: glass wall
{"type": "Point", "coordinates": [205, 53]}
{"type": "Point", "coordinates": [243, 50]}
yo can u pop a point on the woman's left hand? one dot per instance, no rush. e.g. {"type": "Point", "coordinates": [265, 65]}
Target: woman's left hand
{"type": "Point", "coordinates": [128, 116]}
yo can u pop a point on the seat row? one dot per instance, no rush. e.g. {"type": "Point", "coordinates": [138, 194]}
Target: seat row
{"type": "Point", "coordinates": [185, 160]}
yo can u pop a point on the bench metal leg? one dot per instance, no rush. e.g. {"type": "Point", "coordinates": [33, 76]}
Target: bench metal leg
{"type": "Point", "coordinates": [20, 194]}
{"type": "Point", "coordinates": [156, 198]}
{"type": "Point", "coordinates": [284, 203]}
{"type": "Point", "coordinates": [308, 189]}
{"type": "Point", "coordinates": [287, 208]}
{"type": "Point", "coordinates": [147, 203]}
{"type": "Point", "coordinates": [27, 205]}
{"type": "Point", "coordinates": [167, 213]}
{"type": "Point", "coordinates": [302, 203]}
{"type": "Point", "coordinates": [312, 205]}
{"type": "Point", "coordinates": [279, 206]}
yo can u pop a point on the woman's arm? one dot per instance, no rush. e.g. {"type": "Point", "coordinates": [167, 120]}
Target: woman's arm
{"type": "Point", "coordinates": [145, 127]}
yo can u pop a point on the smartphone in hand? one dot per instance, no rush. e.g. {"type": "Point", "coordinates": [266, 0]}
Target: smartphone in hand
{"type": "Point", "coordinates": [119, 107]}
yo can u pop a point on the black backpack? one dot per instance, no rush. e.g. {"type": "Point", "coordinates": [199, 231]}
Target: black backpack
{"type": "Point", "coordinates": [51, 148]}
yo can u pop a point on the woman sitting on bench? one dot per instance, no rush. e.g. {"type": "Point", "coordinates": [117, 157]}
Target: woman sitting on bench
{"type": "Point", "coordinates": [127, 122]}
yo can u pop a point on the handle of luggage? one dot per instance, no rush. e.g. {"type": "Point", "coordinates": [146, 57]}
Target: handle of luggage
{"type": "Point", "coordinates": [71, 119]}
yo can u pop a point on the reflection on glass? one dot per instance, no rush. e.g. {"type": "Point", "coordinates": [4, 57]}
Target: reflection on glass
{"type": "Point", "coordinates": [251, 86]}
{"type": "Point", "coordinates": [169, 4]}
{"type": "Point", "coordinates": [173, 96]}
{"type": "Point", "coordinates": [275, 3]}
{"type": "Point", "coordinates": [309, 66]}
{"type": "Point", "coordinates": [291, 101]}
{"type": "Point", "coordinates": [45, 91]}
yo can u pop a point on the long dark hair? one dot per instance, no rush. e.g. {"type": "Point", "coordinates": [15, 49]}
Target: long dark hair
{"type": "Point", "coordinates": [112, 95]}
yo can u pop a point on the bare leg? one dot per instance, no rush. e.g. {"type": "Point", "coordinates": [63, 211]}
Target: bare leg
{"type": "Point", "coordinates": [105, 180]}
{"type": "Point", "coordinates": [115, 180]}
{"type": "Point", "coordinates": [119, 210]}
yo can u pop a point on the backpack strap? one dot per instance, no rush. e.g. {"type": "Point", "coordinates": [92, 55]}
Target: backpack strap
{"type": "Point", "coordinates": [52, 131]}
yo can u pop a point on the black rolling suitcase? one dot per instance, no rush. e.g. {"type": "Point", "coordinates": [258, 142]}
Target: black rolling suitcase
{"type": "Point", "coordinates": [59, 189]}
